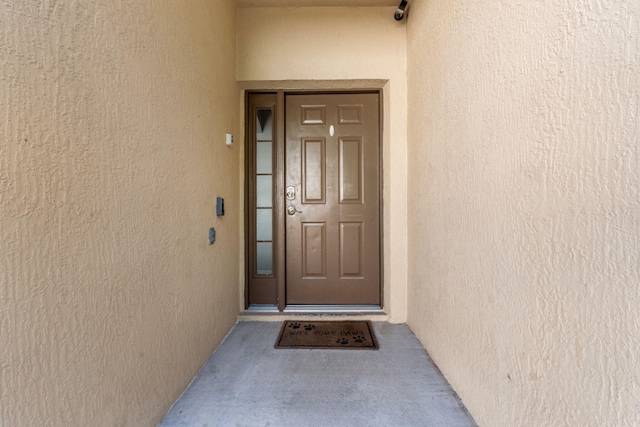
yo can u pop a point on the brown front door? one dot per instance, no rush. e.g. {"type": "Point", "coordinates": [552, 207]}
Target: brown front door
{"type": "Point", "coordinates": [332, 199]}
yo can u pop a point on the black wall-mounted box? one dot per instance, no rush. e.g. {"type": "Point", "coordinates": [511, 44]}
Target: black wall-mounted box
{"type": "Point", "coordinates": [219, 206]}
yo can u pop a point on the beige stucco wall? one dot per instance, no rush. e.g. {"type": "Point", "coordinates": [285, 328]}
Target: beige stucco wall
{"type": "Point", "coordinates": [112, 123]}
{"type": "Point", "coordinates": [524, 206]}
{"type": "Point", "coordinates": [349, 46]}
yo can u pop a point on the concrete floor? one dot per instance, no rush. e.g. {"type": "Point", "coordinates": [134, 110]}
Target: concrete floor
{"type": "Point", "coordinates": [247, 382]}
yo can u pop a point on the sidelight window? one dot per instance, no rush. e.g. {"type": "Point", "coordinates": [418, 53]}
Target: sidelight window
{"type": "Point", "coordinates": [262, 177]}
{"type": "Point", "coordinates": [264, 190]}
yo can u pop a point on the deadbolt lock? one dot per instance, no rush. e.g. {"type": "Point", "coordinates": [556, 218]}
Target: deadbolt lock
{"type": "Point", "coordinates": [291, 193]}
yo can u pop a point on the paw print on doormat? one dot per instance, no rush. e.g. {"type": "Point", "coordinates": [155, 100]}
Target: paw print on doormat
{"type": "Point", "coordinates": [359, 338]}
{"type": "Point", "coordinates": [342, 341]}
{"type": "Point", "coordinates": [309, 327]}
{"type": "Point", "coordinates": [294, 325]}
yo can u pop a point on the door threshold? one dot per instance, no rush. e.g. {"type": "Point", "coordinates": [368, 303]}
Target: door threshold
{"type": "Point", "coordinates": [315, 309]}
{"type": "Point", "coordinates": [262, 309]}
{"type": "Point", "coordinates": [342, 309]}
{"type": "Point", "coordinates": [317, 312]}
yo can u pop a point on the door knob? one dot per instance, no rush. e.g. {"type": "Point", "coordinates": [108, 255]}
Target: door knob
{"type": "Point", "coordinates": [291, 192]}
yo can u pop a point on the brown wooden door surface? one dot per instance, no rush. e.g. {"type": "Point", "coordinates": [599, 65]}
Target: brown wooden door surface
{"type": "Point", "coordinates": [332, 199]}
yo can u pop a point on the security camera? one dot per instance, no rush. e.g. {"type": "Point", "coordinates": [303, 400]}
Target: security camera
{"type": "Point", "coordinates": [400, 11]}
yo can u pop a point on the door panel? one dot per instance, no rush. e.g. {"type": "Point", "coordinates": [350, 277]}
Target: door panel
{"type": "Point", "coordinates": [351, 250]}
{"type": "Point", "coordinates": [313, 169]}
{"type": "Point", "coordinates": [351, 179]}
{"type": "Point", "coordinates": [314, 250]}
{"type": "Point", "coordinates": [333, 219]}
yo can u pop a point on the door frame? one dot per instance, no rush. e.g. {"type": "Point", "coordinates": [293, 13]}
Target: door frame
{"type": "Point", "coordinates": [279, 266]}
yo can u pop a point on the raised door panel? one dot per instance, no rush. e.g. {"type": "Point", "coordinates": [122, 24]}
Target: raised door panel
{"type": "Point", "coordinates": [351, 162]}
{"type": "Point", "coordinates": [313, 250]}
{"type": "Point", "coordinates": [313, 170]}
{"type": "Point", "coordinates": [351, 250]}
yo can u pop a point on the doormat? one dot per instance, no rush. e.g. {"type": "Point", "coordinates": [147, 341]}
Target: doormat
{"type": "Point", "coordinates": [348, 334]}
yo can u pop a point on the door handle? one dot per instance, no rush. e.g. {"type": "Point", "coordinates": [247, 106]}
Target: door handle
{"type": "Point", "coordinates": [291, 210]}
{"type": "Point", "coordinates": [291, 193]}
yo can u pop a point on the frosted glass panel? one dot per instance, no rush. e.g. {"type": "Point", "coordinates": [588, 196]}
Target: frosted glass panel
{"type": "Point", "coordinates": [263, 196]}
{"type": "Point", "coordinates": [264, 224]}
{"type": "Point", "coordinates": [264, 252]}
{"type": "Point", "coordinates": [264, 158]}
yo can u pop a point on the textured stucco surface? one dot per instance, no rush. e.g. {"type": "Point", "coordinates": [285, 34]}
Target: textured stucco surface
{"type": "Point", "coordinates": [112, 123]}
{"type": "Point", "coordinates": [310, 44]}
{"type": "Point", "coordinates": [524, 206]}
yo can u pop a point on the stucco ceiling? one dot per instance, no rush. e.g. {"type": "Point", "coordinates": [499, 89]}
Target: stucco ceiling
{"type": "Point", "coordinates": [316, 3]}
